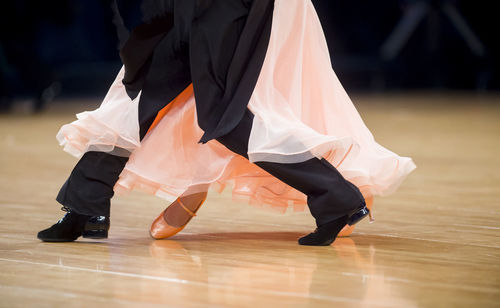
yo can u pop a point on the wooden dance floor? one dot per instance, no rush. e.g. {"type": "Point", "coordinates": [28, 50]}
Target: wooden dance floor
{"type": "Point", "coordinates": [435, 243]}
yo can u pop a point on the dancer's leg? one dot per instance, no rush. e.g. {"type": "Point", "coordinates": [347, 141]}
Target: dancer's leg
{"type": "Point", "coordinates": [87, 192]}
{"type": "Point", "coordinates": [330, 197]}
{"type": "Point", "coordinates": [89, 188]}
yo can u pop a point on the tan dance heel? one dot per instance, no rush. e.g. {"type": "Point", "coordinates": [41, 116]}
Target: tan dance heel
{"type": "Point", "coordinates": [161, 229]}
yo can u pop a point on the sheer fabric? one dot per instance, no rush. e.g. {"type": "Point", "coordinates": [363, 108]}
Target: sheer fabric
{"type": "Point", "coordinates": [113, 127]}
{"type": "Point", "coordinates": [301, 111]}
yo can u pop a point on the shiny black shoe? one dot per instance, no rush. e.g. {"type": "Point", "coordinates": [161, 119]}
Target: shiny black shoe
{"type": "Point", "coordinates": [325, 234]}
{"type": "Point", "coordinates": [358, 215]}
{"type": "Point", "coordinates": [74, 225]}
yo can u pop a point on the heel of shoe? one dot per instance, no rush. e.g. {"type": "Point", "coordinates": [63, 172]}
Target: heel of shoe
{"type": "Point", "coordinates": [95, 234]}
{"type": "Point", "coordinates": [358, 215]}
{"type": "Point", "coordinates": [96, 227]}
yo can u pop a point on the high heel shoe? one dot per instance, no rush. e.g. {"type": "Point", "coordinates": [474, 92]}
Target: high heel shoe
{"type": "Point", "coordinates": [161, 228]}
{"type": "Point", "coordinates": [325, 234]}
{"type": "Point", "coordinates": [74, 225]}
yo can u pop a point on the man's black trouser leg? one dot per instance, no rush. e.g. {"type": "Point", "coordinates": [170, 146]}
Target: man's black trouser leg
{"type": "Point", "coordinates": [89, 188]}
{"type": "Point", "coordinates": [329, 195]}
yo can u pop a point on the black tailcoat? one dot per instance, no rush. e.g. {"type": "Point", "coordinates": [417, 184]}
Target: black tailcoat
{"type": "Point", "coordinates": [218, 45]}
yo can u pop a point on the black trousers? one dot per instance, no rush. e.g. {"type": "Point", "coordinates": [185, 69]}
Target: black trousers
{"type": "Point", "coordinates": [89, 188]}
{"type": "Point", "coordinates": [329, 195]}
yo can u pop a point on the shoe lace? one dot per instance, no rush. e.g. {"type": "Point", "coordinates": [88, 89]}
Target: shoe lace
{"type": "Point", "coordinates": [64, 209]}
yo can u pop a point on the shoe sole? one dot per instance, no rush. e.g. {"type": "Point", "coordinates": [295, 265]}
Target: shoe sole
{"type": "Point", "coordinates": [95, 234]}
{"type": "Point", "coordinates": [56, 240]}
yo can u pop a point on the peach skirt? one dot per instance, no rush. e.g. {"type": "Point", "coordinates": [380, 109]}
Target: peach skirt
{"type": "Point", "coordinates": [301, 111]}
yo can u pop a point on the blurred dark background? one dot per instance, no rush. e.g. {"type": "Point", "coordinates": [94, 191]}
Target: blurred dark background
{"type": "Point", "coordinates": [64, 48]}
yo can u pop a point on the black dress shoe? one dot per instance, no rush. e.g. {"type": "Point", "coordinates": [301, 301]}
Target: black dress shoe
{"type": "Point", "coordinates": [325, 234]}
{"type": "Point", "coordinates": [74, 225]}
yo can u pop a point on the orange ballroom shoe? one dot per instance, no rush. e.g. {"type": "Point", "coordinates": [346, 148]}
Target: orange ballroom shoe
{"type": "Point", "coordinates": [176, 216]}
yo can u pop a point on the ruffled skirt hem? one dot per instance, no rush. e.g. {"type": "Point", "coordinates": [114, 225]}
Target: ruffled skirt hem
{"type": "Point", "coordinates": [301, 112]}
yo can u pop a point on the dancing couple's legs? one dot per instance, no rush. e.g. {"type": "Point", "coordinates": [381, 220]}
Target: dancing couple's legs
{"type": "Point", "coordinates": [87, 192]}
{"type": "Point", "coordinates": [331, 198]}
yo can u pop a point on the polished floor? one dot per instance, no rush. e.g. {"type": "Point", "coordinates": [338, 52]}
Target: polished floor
{"type": "Point", "coordinates": [435, 243]}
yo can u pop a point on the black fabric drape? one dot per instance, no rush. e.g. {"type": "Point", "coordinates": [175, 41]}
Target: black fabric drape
{"type": "Point", "coordinates": [218, 45]}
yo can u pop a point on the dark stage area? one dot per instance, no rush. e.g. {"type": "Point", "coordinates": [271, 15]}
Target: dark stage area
{"type": "Point", "coordinates": [69, 48]}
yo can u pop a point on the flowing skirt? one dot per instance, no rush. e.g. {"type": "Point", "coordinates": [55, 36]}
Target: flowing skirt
{"type": "Point", "coordinates": [301, 111]}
